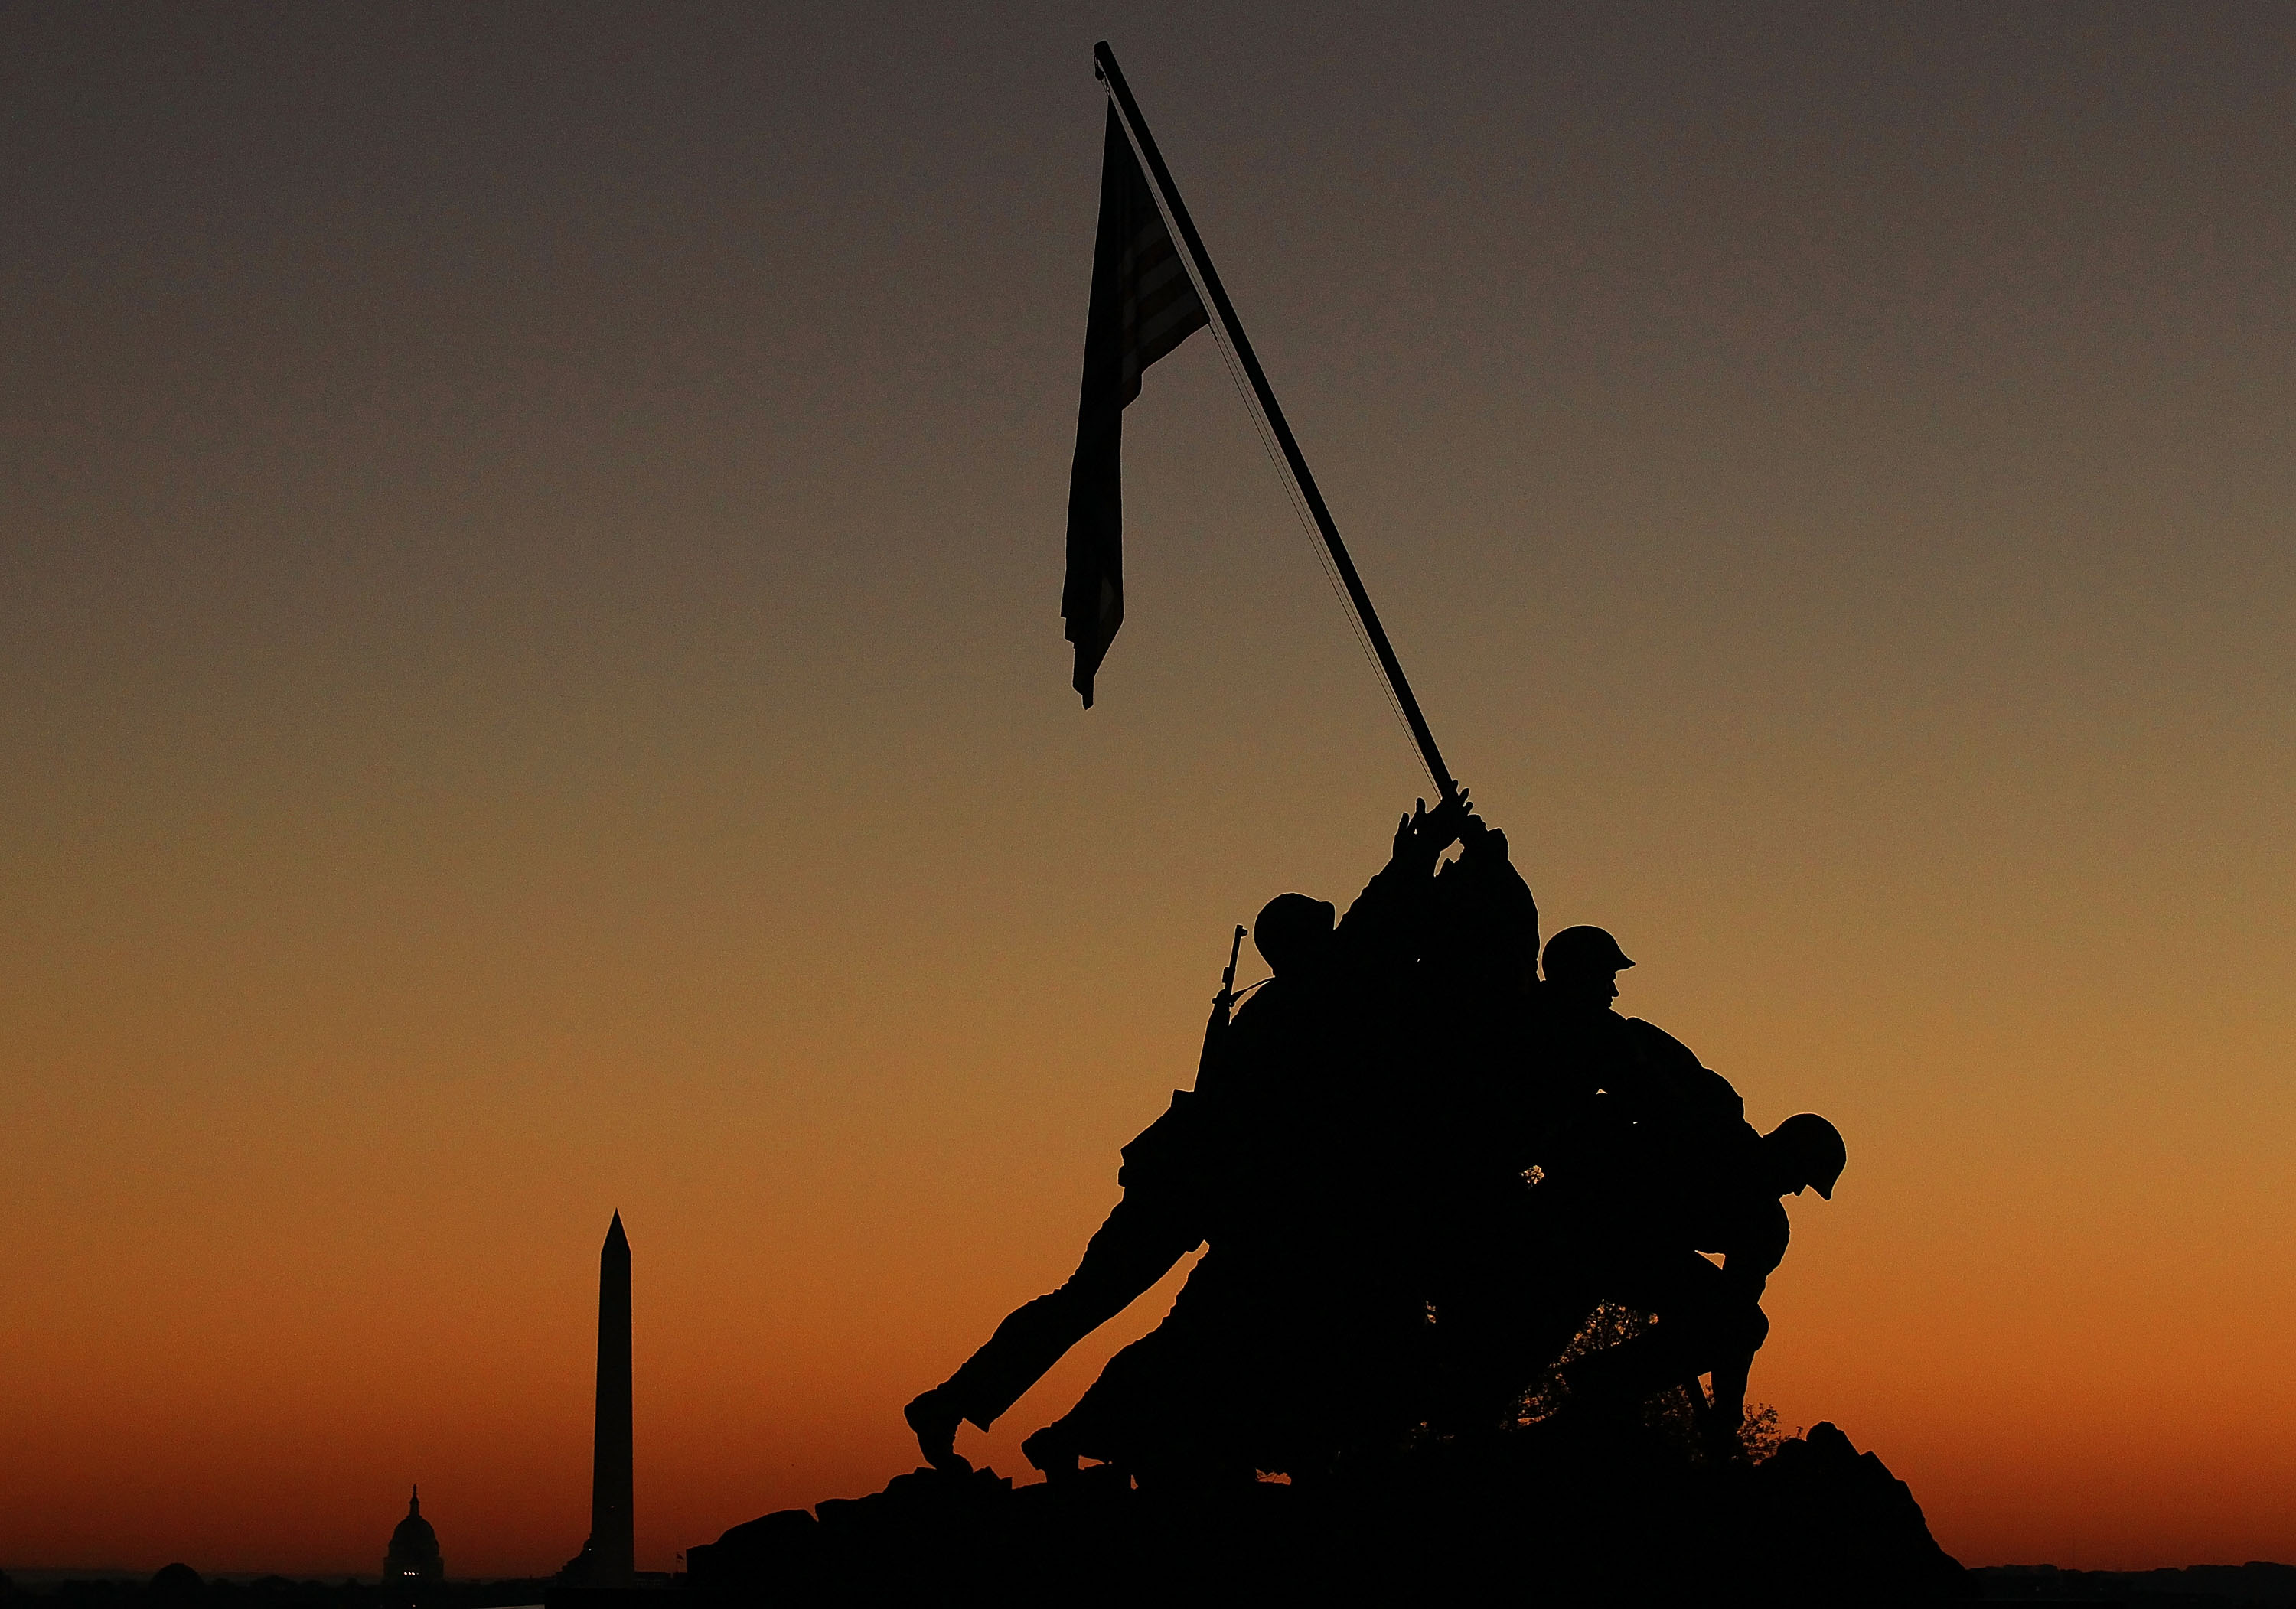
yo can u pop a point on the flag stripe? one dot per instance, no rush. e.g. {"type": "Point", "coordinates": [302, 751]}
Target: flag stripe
{"type": "Point", "coordinates": [1144, 305]}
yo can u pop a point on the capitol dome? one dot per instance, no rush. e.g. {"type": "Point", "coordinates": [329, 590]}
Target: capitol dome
{"type": "Point", "coordinates": [413, 1557]}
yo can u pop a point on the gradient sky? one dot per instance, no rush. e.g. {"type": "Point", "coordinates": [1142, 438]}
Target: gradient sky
{"type": "Point", "coordinates": [531, 684]}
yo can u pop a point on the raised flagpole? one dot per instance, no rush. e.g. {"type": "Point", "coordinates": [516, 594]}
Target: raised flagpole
{"type": "Point", "coordinates": [1105, 65]}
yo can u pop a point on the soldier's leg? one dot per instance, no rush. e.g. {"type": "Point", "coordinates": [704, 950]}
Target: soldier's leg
{"type": "Point", "coordinates": [1487, 1348]}
{"type": "Point", "coordinates": [1506, 1287]}
{"type": "Point", "coordinates": [1169, 1408]}
{"type": "Point", "coordinates": [1109, 1421]}
{"type": "Point", "coordinates": [1702, 1325]}
{"type": "Point", "coordinates": [1740, 1335]}
{"type": "Point", "coordinates": [1138, 1246]}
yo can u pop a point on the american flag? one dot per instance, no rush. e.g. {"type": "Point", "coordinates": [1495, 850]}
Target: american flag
{"type": "Point", "coordinates": [1143, 305]}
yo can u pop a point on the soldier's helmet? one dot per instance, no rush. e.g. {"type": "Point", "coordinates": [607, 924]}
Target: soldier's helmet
{"type": "Point", "coordinates": [1814, 1151]}
{"type": "Point", "coordinates": [1578, 952]}
{"type": "Point", "coordinates": [1290, 928]}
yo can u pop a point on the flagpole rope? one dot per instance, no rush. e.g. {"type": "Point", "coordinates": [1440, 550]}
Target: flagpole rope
{"type": "Point", "coordinates": [1315, 541]}
{"type": "Point", "coordinates": [1267, 445]}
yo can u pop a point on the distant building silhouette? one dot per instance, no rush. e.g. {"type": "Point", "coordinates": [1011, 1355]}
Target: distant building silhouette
{"type": "Point", "coordinates": [609, 1557]}
{"type": "Point", "coordinates": [177, 1584]}
{"type": "Point", "coordinates": [413, 1558]}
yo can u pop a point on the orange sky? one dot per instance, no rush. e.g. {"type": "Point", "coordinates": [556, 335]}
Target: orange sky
{"type": "Point", "coordinates": [530, 684]}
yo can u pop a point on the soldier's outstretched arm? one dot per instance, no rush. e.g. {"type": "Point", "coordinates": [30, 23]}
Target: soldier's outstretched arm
{"type": "Point", "coordinates": [1384, 916]}
{"type": "Point", "coordinates": [1753, 1256]}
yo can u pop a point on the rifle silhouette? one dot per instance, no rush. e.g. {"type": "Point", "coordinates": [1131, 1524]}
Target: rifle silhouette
{"type": "Point", "coordinates": [1223, 1005]}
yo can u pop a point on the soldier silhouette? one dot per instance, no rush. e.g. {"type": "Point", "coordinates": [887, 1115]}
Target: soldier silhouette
{"type": "Point", "coordinates": [1726, 1199]}
{"type": "Point", "coordinates": [1296, 1325]}
{"type": "Point", "coordinates": [1661, 1164]}
{"type": "Point", "coordinates": [1657, 1077]}
{"type": "Point", "coordinates": [1616, 1115]}
{"type": "Point", "coordinates": [1160, 1218]}
{"type": "Point", "coordinates": [1191, 1169]}
{"type": "Point", "coordinates": [1484, 1101]}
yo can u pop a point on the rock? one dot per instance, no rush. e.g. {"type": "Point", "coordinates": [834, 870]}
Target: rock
{"type": "Point", "coordinates": [1823, 1513]}
{"type": "Point", "coordinates": [1549, 1513]}
{"type": "Point", "coordinates": [776, 1554]}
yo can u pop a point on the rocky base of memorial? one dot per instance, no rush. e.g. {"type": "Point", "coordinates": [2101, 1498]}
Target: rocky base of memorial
{"type": "Point", "coordinates": [1545, 1512]}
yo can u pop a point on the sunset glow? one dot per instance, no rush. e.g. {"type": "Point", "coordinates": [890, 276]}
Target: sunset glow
{"type": "Point", "coordinates": [531, 686]}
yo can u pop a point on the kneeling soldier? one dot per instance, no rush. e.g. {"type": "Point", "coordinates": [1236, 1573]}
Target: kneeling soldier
{"type": "Point", "coordinates": [1709, 1319]}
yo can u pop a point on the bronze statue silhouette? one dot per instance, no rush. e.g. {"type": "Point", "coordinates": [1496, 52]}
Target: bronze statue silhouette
{"type": "Point", "coordinates": [1419, 1168]}
{"type": "Point", "coordinates": [1722, 1196]}
{"type": "Point", "coordinates": [1205, 1169]}
{"type": "Point", "coordinates": [1159, 1219]}
{"type": "Point", "coordinates": [1427, 1180]}
{"type": "Point", "coordinates": [1427, 1164]}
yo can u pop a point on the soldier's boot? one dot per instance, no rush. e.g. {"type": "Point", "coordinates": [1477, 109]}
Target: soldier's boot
{"type": "Point", "coordinates": [1721, 1436]}
{"type": "Point", "coordinates": [1718, 1421]}
{"type": "Point", "coordinates": [1053, 1450]}
{"type": "Point", "coordinates": [935, 1419]}
{"type": "Point", "coordinates": [1725, 1425]}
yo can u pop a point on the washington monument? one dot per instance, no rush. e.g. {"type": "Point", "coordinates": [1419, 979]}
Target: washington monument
{"type": "Point", "coordinates": [614, 1548]}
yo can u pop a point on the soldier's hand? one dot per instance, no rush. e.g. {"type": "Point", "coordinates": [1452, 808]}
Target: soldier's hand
{"type": "Point", "coordinates": [1406, 830]}
{"type": "Point", "coordinates": [1446, 823]}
